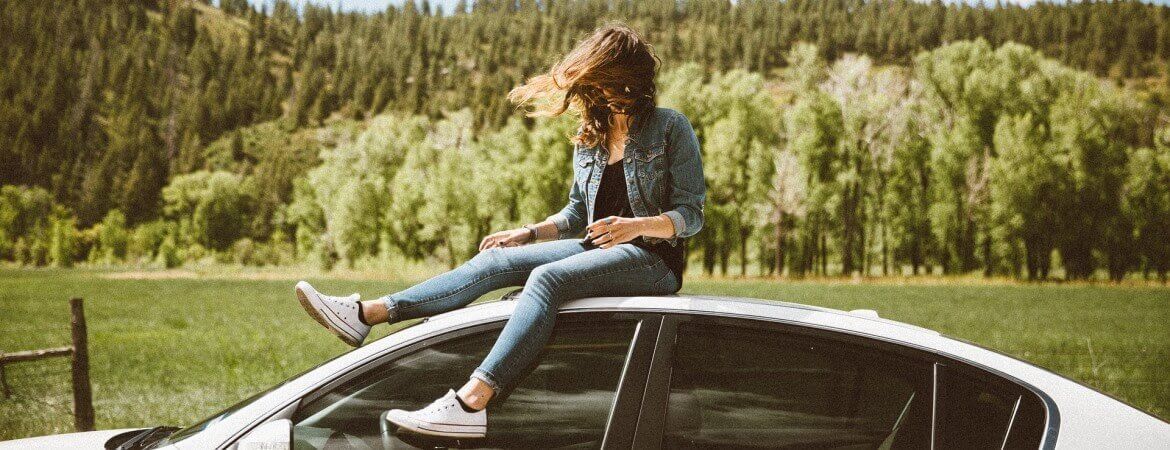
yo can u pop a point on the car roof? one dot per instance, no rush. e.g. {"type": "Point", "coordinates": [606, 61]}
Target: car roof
{"type": "Point", "coordinates": [722, 305]}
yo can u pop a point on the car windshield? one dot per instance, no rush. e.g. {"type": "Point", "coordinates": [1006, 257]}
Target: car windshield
{"type": "Point", "coordinates": [215, 418]}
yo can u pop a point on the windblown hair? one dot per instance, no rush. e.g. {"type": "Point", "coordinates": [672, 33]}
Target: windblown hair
{"type": "Point", "coordinates": [614, 57]}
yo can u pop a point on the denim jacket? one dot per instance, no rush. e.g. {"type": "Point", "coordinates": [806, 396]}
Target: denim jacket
{"type": "Point", "coordinates": [664, 175]}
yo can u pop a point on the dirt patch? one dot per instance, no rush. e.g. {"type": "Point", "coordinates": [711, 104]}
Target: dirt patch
{"type": "Point", "coordinates": [153, 275]}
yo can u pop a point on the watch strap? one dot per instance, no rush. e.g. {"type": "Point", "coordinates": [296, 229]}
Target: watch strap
{"type": "Point", "coordinates": [532, 228]}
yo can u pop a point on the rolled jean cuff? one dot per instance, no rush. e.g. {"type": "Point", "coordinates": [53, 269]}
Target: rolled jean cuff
{"type": "Point", "coordinates": [391, 309]}
{"type": "Point", "coordinates": [680, 224]}
{"type": "Point", "coordinates": [486, 378]}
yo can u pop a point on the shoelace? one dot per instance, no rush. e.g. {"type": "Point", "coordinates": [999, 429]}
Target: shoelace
{"type": "Point", "coordinates": [344, 301]}
{"type": "Point", "coordinates": [436, 407]}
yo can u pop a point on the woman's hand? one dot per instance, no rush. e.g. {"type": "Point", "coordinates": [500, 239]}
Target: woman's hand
{"type": "Point", "coordinates": [612, 230]}
{"type": "Point", "coordinates": [506, 238]}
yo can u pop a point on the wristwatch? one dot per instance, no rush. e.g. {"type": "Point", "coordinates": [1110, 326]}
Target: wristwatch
{"type": "Point", "coordinates": [532, 228]}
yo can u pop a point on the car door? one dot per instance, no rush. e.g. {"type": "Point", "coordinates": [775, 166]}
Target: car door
{"type": "Point", "coordinates": [739, 383]}
{"type": "Point", "coordinates": [586, 380]}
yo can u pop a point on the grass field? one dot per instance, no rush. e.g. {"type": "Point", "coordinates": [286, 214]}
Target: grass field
{"type": "Point", "coordinates": [170, 351]}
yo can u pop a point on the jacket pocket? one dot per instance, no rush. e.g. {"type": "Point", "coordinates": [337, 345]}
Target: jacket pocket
{"type": "Point", "coordinates": [650, 152]}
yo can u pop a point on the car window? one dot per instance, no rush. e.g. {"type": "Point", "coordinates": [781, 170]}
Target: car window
{"type": "Point", "coordinates": [981, 411]}
{"type": "Point", "coordinates": [563, 401]}
{"type": "Point", "coordinates": [741, 387]}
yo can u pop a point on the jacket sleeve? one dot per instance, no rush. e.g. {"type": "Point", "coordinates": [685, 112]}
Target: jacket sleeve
{"type": "Point", "coordinates": [688, 186]}
{"type": "Point", "coordinates": [570, 221]}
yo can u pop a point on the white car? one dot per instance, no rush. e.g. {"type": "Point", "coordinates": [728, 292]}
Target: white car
{"type": "Point", "coordinates": [676, 372]}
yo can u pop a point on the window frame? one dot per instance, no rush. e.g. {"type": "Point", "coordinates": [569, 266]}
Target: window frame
{"type": "Point", "coordinates": [627, 396]}
{"type": "Point", "coordinates": [651, 419]}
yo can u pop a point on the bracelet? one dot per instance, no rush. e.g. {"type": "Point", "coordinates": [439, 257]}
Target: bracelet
{"type": "Point", "coordinates": [532, 228]}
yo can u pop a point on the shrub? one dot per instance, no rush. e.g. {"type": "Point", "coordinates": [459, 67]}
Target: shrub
{"type": "Point", "coordinates": [146, 239]}
{"type": "Point", "coordinates": [112, 237]}
{"type": "Point", "coordinates": [20, 251]}
{"type": "Point", "coordinates": [24, 213]}
{"type": "Point", "coordinates": [62, 238]}
{"type": "Point", "coordinates": [244, 251]}
{"type": "Point", "coordinates": [168, 253]}
{"type": "Point", "coordinates": [211, 208]}
{"type": "Point", "coordinates": [38, 253]}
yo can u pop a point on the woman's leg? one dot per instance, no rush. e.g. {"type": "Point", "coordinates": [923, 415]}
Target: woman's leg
{"type": "Point", "coordinates": [489, 270]}
{"type": "Point", "coordinates": [622, 270]}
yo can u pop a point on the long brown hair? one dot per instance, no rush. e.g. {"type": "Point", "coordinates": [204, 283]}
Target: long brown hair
{"type": "Point", "coordinates": [614, 57]}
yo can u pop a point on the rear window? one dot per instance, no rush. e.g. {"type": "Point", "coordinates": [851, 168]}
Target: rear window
{"type": "Point", "coordinates": [975, 409]}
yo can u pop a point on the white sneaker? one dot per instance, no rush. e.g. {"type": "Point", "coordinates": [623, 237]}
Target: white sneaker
{"type": "Point", "coordinates": [445, 417]}
{"type": "Point", "coordinates": [340, 315]}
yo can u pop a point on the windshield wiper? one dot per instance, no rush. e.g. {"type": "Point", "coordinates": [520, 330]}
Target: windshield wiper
{"type": "Point", "coordinates": [143, 440]}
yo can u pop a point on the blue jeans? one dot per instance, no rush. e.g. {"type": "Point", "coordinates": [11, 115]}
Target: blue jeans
{"type": "Point", "coordinates": [551, 273]}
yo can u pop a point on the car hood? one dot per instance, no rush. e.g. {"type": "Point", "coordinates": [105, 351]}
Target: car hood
{"type": "Point", "coordinates": [81, 441]}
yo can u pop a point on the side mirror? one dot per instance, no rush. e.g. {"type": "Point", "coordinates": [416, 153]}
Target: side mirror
{"type": "Point", "coordinates": [274, 435]}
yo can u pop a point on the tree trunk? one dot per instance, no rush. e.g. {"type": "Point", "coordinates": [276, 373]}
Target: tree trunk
{"type": "Point", "coordinates": [724, 253]}
{"type": "Point", "coordinates": [743, 256]}
{"type": "Point", "coordinates": [824, 255]}
{"type": "Point", "coordinates": [988, 260]}
{"type": "Point", "coordinates": [780, 245]}
{"type": "Point", "coordinates": [885, 250]}
{"type": "Point", "coordinates": [847, 232]}
{"type": "Point", "coordinates": [709, 258]}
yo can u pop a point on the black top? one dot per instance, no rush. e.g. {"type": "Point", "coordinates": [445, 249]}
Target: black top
{"type": "Point", "coordinates": [614, 200]}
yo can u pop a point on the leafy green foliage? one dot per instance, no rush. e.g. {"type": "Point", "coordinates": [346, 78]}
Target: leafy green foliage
{"type": "Point", "coordinates": [130, 93]}
{"type": "Point", "coordinates": [846, 138]}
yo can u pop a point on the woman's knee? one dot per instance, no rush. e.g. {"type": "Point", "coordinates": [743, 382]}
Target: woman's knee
{"type": "Point", "coordinates": [492, 258]}
{"type": "Point", "coordinates": [547, 277]}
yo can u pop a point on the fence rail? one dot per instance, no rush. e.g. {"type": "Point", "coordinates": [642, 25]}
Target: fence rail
{"type": "Point", "coordinates": [83, 415]}
{"type": "Point", "coordinates": [33, 355]}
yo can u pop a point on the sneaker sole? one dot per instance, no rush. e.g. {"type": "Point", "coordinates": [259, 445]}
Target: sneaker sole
{"type": "Point", "coordinates": [456, 431]}
{"type": "Point", "coordinates": [315, 312]}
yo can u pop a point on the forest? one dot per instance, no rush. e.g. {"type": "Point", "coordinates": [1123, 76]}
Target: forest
{"type": "Point", "coordinates": [848, 137]}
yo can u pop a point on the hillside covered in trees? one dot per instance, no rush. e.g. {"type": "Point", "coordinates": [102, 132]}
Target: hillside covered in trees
{"type": "Point", "coordinates": [839, 137]}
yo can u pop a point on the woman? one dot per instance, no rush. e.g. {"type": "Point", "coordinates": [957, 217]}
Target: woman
{"type": "Point", "coordinates": [636, 170]}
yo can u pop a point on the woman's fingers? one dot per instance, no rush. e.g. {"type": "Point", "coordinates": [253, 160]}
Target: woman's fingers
{"type": "Point", "coordinates": [489, 241]}
{"type": "Point", "coordinates": [601, 225]}
{"type": "Point", "coordinates": [613, 238]}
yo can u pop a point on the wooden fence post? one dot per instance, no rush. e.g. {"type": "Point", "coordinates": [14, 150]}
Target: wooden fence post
{"type": "Point", "coordinates": [4, 381]}
{"type": "Point", "coordinates": [82, 396]}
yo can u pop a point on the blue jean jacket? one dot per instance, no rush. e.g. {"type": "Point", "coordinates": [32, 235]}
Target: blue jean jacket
{"type": "Point", "coordinates": [664, 175]}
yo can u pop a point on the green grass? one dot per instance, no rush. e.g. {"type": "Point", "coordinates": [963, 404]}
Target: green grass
{"type": "Point", "coordinates": [170, 351]}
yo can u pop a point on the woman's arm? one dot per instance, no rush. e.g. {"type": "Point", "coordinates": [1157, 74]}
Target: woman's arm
{"type": "Point", "coordinates": [570, 221]}
{"type": "Point", "coordinates": [612, 230]}
{"type": "Point", "coordinates": [520, 236]}
{"type": "Point", "coordinates": [688, 187]}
